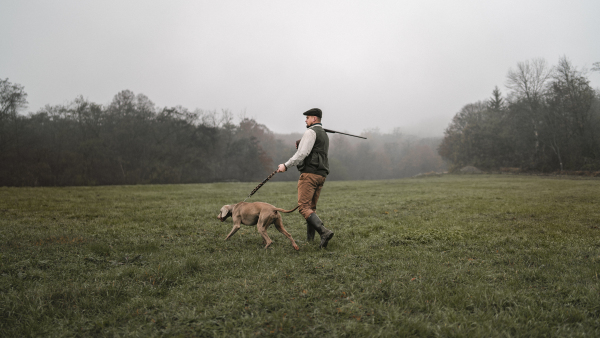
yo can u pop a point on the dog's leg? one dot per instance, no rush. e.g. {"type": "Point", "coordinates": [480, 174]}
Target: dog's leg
{"type": "Point", "coordinates": [236, 227]}
{"type": "Point", "coordinates": [279, 226]}
{"type": "Point", "coordinates": [261, 227]}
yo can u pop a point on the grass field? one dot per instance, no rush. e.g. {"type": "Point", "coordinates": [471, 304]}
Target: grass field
{"type": "Point", "coordinates": [441, 256]}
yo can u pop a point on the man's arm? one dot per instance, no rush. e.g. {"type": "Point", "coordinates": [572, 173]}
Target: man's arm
{"type": "Point", "coordinates": [306, 144]}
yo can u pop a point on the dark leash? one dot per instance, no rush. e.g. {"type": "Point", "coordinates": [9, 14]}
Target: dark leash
{"type": "Point", "coordinates": [260, 185]}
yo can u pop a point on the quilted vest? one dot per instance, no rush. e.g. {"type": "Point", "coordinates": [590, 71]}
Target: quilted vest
{"type": "Point", "coordinates": [316, 162]}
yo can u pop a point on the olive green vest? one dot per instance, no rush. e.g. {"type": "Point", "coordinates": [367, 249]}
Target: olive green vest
{"type": "Point", "coordinates": [316, 162]}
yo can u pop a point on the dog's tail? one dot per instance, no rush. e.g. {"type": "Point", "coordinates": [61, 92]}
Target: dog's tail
{"type": "Point", "coordinates": [286, 211]}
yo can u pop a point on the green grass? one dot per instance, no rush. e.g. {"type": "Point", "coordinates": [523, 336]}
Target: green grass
{"type": "Point", "coordinates": [442, 256]}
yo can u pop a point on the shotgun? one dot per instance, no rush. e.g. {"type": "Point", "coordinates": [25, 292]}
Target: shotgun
{"type": "Point", "coordinates": [339, 132]}
{"type": "Point", "coordinates": [333, 132]}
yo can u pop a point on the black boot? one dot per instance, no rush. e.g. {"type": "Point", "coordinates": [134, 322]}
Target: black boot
{"type": "Point", "coordinates": [310, 232]}
{"type": "Point", "coordinates": [317, 224]}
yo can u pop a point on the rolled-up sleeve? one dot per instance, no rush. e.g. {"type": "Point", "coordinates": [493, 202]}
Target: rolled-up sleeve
{"type": "Point", "coordinates": [306, 144]}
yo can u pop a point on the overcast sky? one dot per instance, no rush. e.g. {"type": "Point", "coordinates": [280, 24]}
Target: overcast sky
{"type": "Point", "coordinates": [366, 64]}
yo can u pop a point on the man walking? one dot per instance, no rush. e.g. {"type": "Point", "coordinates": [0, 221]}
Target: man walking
{"type": "Point", "coordinates": [311, 160]}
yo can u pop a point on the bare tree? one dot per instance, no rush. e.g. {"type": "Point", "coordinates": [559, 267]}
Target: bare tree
{"type": "Point", "coordinates": [12, 98]}
{"type": "Point", "coordinates": [568, 115]}
{"type": "Point", "coordinates": [528, 82]}
{"type": "Point", "coordinates": [529, 79]}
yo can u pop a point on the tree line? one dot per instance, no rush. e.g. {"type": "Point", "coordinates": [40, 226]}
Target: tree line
{"type": "Point", "coordinates": [549, 121]}
{"type": "Point", "coordinates": [131, 141]}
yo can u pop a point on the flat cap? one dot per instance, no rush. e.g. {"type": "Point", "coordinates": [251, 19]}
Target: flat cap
{"type": "Point", "coordinates": [314, 112]}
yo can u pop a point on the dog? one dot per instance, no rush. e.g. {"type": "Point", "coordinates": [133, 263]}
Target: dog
{"type": "Point", "coordinates": [258, 213]}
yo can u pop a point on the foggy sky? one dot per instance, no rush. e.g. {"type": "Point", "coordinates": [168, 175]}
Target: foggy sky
{"type": "Point", "coordinates": [366, 64]}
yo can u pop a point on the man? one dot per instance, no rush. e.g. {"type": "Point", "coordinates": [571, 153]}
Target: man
{"type": "Point", "coordinates": [311, 160]}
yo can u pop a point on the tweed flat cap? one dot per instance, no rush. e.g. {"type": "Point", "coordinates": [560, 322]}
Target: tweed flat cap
{"type": "Point", "coordinates": [314, 112]}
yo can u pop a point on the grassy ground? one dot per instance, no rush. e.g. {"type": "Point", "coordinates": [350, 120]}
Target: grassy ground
{"type": "Point", "coordinates": [443, 256]}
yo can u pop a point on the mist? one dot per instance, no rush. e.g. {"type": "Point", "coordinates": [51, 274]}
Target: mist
{"type": "Point", "coordinates": [367, 65]}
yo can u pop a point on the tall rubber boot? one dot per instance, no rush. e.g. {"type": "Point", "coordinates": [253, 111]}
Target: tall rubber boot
{"type": "Point", "coordinates": [317, 224]}
{"type": "Point", "coordinates": [310, 232]}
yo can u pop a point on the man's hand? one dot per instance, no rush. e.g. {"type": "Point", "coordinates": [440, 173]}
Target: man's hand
{"type": "Point", "coordinates": [281, 168]}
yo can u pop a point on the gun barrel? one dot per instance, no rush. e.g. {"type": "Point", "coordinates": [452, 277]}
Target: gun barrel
{"type": "Point", "coordinates": [338, 132]}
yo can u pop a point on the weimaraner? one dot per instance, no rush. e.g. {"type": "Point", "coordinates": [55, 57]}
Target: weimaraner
{"type": "Point", "coordinates": [258, 213]}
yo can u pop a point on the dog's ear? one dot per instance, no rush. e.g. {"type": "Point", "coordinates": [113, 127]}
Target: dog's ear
{"type": "Point", "coordinates": [225, 212]}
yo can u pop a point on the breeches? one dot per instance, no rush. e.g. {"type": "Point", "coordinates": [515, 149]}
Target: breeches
{"type": "Point", "coordinates": [309, 189]}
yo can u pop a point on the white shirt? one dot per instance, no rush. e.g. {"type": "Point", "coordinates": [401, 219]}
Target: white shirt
{"type": "Point", "coordinates": [306, 144]}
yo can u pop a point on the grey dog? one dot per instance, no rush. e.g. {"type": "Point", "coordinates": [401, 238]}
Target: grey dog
{"type": "Point", "coordinates": [258, 213]}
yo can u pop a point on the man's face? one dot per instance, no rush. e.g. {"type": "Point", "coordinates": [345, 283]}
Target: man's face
{"type": "Point", "coordinates": [310, 120]}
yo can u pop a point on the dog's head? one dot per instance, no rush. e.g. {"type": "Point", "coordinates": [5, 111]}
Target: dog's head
{"type": "Point", "coordinates": [225, 212]}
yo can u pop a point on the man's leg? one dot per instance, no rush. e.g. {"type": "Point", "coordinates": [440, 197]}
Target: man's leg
{"type": "Point", "coordinates": [306, 191]}
{"type": "Point", "coordinates": [310, 231]}
{"type": "Point", "coordinates": [315, 199]}
{"type": "Point", "coordinates": [326, 234]}
{"type": "Point", "coordinates": [309, 189]}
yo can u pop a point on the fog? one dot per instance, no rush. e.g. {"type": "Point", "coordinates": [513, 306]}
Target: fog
{"type": "Point", "coordinates": [366, 64]}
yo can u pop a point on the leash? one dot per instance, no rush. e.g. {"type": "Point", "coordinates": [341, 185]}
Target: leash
{"type": "Point", "coordinates": [260, 185]}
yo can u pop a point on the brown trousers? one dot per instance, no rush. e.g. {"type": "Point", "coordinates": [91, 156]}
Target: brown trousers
{"type": "Point", "coordinates": [309, 189]}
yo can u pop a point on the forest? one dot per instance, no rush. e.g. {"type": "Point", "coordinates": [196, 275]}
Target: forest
{"type": "Point", "coordinates": [548, 122]}
{"type": "Point", "coordinates": [132, 141]}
